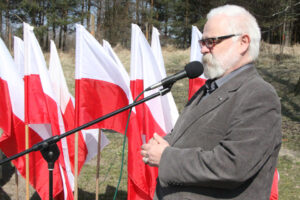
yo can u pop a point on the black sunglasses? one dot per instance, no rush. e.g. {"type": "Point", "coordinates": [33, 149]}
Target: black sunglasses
{"type": "Point", "coordinates": [211, 42]}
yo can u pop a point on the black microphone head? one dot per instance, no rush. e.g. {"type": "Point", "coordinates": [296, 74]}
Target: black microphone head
{"type": "Point", "coordinates": [194, 69]}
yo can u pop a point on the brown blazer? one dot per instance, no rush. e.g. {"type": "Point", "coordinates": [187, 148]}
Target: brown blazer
{"type": "Point", "coordinates": [224, 146]}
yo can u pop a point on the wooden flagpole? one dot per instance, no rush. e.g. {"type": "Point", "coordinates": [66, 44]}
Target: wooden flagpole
{"type": "Point", "coordinates": [76, 168]}
{"type": "Point", "coordinates": [17, 183]}
{"type": "Point", "coordinates": [98, 163]}
{"type": "Point", "coordinates": [27, 160]}
{"type": "Point", "coordinates": [92, 29]}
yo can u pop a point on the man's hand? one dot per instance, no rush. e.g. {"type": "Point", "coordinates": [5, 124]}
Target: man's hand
{"type": "Point", "coordinates": [153, 150]}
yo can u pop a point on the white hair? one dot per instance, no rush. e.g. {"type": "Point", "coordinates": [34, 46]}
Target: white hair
{"type": "Point", "coordinates": [242, 22]}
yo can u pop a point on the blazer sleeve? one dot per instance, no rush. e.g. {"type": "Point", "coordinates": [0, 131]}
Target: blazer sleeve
{"type": "Point", "coordinates": [252, 137]}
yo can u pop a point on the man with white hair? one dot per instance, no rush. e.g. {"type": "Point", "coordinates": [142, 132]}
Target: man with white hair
{"type": "Point", "coordinates": [226, 141]}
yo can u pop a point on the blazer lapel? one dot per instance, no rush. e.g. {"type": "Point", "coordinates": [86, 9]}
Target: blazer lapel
{"type": "Point", "coordinates": [195, 110]}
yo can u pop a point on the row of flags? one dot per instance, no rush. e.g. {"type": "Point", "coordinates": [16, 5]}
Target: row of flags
{"type": "Point", "coordinates": [39, 97]}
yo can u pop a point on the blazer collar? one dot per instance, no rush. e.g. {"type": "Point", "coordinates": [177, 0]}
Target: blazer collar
{"type": "Point", "coordinates": [197, 108]}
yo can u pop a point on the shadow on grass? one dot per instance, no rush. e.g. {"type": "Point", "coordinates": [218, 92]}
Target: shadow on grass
{"type": "Point", "coordinates": [109, 194]}
{"type": "Point", "coordinates": [6, 172]}
{"type": "Point", "coordinates": [283, 57]}
{"type": "Point", "coordinates": [290, 113]}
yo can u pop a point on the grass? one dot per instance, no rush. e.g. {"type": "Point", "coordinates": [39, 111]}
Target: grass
{"type": "Point", "coordinates": [282, 71]}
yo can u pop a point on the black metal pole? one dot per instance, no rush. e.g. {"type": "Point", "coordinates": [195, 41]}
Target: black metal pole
{"type": "Point", "coordinates": [51, 184]}
{"type": "Point", "coordinates": [50, 154]}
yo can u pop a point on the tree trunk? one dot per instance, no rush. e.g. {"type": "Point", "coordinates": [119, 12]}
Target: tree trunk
{"type": "Point", "coordinates": [166, 18]}
{"type": "Point", "coordinates": [137, 13]}
{"type": "Point", "coordinates": [82, 11]}
{"type": "Point", "coordinates": [1, 23]}
{"type": "Point", "coordinates": [297, 88]}
{"type": "Point", "coordinates": [60, 37]}
{"type": "Point", "coordinates": [186, 42]}
{"type": "Point", "coordinates": [64, 45]}
{"type": "Point", "coordinates": [88, 15]}
{"type": "Point", "coordinates": [47, 40]}
{"type": "Point", "coordinates": [65, 30]}
{"type": "Point", "coordinates": [99, 13]}
{"type": "Point", "coordinates": [54, 31]}
{"type": "Point", "coordinates": [8, 39]}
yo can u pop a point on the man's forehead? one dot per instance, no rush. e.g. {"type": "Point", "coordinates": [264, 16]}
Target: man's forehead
{"type": "Point", "coordinates": [215, 26]}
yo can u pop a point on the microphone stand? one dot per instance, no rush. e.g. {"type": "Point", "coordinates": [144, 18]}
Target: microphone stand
{"type": "Point", "coordinates": [49, 148]}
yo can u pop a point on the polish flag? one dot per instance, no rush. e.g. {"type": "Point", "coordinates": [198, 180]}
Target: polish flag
{"type": "Point", "coordinates": [196, 55]}
{"type": "Point", "coordinates": [87, 140]}
{"type": "Point", "coordinates": [101, 87]}
{"type": "Point", "coordinates": [42, 111]}
{"type": "Point", "coordinates": [145, 71]}
{"type": "Point", "coordinates": [13, 125]}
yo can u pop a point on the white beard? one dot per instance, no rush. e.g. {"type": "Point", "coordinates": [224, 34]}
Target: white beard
{"type": "Point", "coordinates": [216, 67]}
{"type": "Point", "coordinates": [212, 67]}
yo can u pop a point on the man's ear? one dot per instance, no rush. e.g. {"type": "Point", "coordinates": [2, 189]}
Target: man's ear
{"type": "Point", "coordinates": [244, 43]}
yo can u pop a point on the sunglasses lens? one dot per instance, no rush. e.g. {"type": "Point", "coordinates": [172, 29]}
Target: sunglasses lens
{"type": "Point", "coordinates": [209, 43]}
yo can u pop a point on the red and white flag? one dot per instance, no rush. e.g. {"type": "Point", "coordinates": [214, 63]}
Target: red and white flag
{"type": "Point", "coordinates": [196, 55]}
{"type": "Point", "coordinates": [87, 147]}
{"type": "Point", "coordinates": [13, 125]}
{"type": "Point", "coordinates": [100, 86]}
{"type": "Point", "coordinates": [42, 111]}
{"type": "Point", "coordinates": [145, 71]}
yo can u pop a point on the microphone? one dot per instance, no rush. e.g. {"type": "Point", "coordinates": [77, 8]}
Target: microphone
{"type": "Point", "coordinates": [191, 70]}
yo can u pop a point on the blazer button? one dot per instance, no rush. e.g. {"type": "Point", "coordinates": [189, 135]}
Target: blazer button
{"type": "Point", "coordinates": [220, 98]}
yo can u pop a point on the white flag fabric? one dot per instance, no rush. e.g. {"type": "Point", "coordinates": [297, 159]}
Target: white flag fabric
{"type": "Point", "coordinates": [196, 55]}
{"type": "Point", "coordinates": [41, 108]}
{"type": "Point", "coordinates": [114, 56]}
{"type": "Point", "coordinates": [19, 55]}
{"type": "Point", "coordinates": [170, 110]}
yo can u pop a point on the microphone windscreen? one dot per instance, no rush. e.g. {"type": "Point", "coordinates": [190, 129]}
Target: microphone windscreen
{"type": "Point", "coordinates": [194, 69]}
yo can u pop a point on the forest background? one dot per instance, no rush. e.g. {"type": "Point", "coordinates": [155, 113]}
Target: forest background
{"type": "Point", "coordinates": [111, 20]}
{"type": "Point", "coordinates": [55, 19]}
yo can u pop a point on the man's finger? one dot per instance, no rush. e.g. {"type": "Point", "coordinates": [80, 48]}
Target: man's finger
{"type": "Point", "coordinates": [144, 153]}
{"type": "Point", "coordinates": [145, 146]}
{"type": "Point", "coordinates": [158, 138]}
{"type": "Point", "coordinates": [145, 160]}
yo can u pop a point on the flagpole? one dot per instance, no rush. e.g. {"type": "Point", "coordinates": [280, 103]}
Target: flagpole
{"type": "Point", "coordinates": [17, 183]}
{"type": "Point", "coordinates": [98, 163]}
{"type": "Point", "coordinates": [76, 168]}
{"type": "Point", "coordinates": [27, 160]}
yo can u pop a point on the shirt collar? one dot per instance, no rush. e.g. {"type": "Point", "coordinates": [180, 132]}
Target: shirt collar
{"type": "Point", "coordinates": [232, 74]}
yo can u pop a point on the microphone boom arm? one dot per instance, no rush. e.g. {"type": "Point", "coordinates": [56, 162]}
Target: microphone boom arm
{"type": "Point", "coordinates": [52, 140]}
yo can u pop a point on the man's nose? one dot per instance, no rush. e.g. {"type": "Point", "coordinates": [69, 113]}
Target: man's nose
{"type": "Point", "coordinates": [204, 49]}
